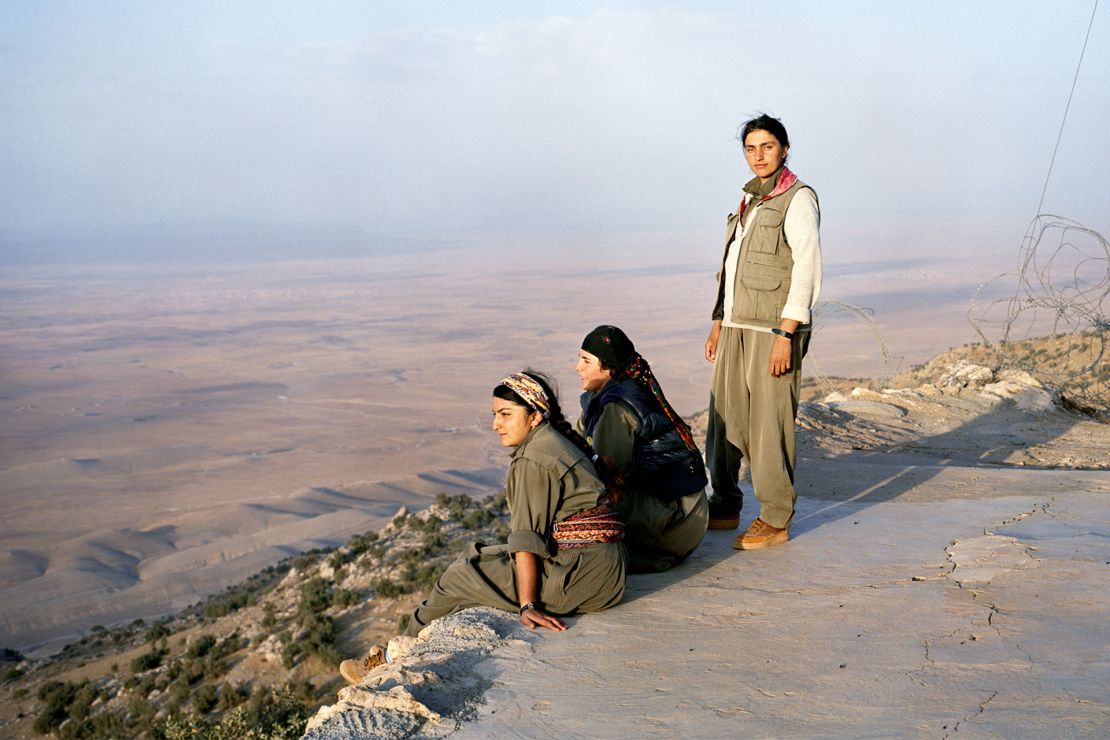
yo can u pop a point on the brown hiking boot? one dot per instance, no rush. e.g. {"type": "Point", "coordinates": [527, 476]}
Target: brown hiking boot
{"type": "Point", "coordinates": [353, 671]}
{"type": "Point", "coordinates": [724, 521]}
{"type": "Point", "coordinates": [759, 535]}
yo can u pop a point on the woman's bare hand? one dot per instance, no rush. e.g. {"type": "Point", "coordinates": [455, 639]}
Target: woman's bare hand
{"type": "Point", "coordinates": [711, 341]}
{"type": "Point", "coordinates": [781, 351]}
{"type": "Point", "coordinates": [533, 618]}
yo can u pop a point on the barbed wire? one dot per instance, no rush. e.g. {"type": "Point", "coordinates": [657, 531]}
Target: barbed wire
{"type": "Point", "coordinates": [1059, 294]}
{"type": "Point", "coordinates": [864, 315]}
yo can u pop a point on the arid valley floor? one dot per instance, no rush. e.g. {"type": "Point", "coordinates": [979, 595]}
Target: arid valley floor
{"type": "Point", "coordinates": [168, 432]}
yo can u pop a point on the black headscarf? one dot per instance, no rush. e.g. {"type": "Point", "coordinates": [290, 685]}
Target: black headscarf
{"type": "Point", "coordinates": [610, 345]}
{"type": "Point", "coordinates": [613, 347]}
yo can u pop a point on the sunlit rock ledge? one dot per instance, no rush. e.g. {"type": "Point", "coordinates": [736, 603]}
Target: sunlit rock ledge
{"type": "Point", "coordinates": [431, 684]}
{"type": "Point", "coordinates": [947, 573]}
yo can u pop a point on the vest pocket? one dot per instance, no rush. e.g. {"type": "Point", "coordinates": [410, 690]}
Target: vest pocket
{"type": "Point", "coordinates": [760, 281]}
{"type": "Point", "coordinates": [761, 293]}
{"type": "Point", "coordinates": [777, 263]}
{"type": "Point", "coordinates": [764, 271]}
{"type": "Point", "coordinates": [768, 224]}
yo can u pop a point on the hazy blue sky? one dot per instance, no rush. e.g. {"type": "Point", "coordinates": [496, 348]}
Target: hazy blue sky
{"type": "Point", "coordinates": [195, 129]}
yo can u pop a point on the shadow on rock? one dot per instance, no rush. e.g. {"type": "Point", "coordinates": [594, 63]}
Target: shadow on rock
{"type": "Point", "coordinates": [1013, 420]}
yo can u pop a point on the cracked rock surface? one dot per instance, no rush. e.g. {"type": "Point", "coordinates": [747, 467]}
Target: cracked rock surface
{"type": "Point", "coordinates": [919, 619]}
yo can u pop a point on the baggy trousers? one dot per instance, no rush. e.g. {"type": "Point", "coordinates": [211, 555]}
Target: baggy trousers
{"type": "Point", "coordinates": [587, 579]}
{"type": "Point", "coordinates": [661, 535]}
{"type": "Point", "coordinates": [751, 414]}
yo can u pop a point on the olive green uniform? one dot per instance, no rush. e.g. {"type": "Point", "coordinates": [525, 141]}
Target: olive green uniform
{"type": "Point", "coordinates": [549, 480]}
{"type": "Point", "coordinates": [658, 534]}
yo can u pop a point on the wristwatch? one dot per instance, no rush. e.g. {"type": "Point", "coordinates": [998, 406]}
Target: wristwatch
{"type": "Point", "coordinates": [529, 605]}
{"type": "Point", "coordinates": [783, 333]}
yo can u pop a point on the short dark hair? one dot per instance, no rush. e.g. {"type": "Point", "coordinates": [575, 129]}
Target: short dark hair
{"type": "Point", "coordinates": [764, 122]}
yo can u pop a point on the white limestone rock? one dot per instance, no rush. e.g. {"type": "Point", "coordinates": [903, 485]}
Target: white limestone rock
{"type": "Point", "coordinates": [964, 374]}
{"type": "Point", "coordinates": [1025, 397]}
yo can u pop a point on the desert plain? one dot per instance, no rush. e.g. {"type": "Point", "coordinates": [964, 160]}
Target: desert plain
{"type": "Point", "coordinates": [169, 431]}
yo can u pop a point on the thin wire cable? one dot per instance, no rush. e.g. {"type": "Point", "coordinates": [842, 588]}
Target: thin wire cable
{"type": "Point", "coordinates": [1063, 280]}
{"type": "Point", "coordinates": [1067, 107]}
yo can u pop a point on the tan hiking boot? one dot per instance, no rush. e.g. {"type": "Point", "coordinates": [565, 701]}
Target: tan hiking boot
{"type": "Point", "coordinates": [759, 535]}
{"type": "Point", "coordinates": [353, 671]}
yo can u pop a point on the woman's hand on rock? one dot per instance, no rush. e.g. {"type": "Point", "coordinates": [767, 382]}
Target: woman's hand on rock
{"type": "Point", "coordinates": [533, 618]}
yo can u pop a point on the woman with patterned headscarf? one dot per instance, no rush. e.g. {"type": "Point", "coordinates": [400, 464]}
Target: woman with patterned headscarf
{"type": "Point", "coordinates": [564, 553]}
{"type": "Point", "coordinates": [627, 419]}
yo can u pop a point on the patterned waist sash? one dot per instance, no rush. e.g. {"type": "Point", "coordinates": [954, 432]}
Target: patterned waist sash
{"type": "Point", "coordinates": [588, 527]}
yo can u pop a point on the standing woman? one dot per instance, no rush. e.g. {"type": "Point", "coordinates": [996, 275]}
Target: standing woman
{"type": "Point", "coordinates": [564, 553]}
{"type": "Point", "coordinates": [626, 418]}
{"type": "Point", "coordinates": [769, 281]}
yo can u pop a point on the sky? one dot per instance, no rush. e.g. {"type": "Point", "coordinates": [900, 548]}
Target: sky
{"type": "Point", "coordinates": [200, 130]}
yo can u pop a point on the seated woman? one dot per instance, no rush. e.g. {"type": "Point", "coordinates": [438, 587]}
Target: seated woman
{"type": "Point", "coordinates": [564, 553]}
{"type": "Point", "coordinates": [626, 418]}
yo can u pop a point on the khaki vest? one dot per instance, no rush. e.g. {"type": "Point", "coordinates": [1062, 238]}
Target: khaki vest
{"type": "Point", "coordinates": [763, 270]}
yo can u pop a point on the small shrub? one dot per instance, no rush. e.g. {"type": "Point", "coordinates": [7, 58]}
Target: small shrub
{"type": "Point", "coordinates": [83, 698]}
{"type": "Point", "coordinates": [138, 706]}
{"type": "Point", "coordinates": [315, 596]}
{"type": "Point", "coordinates": [269, 615]}
{"type": "Point", "coordinates": [231, 696]}
{"type": "Point", "coordinates": [147, 661]}
{"type": "Point", "coordinates": [290, 654]}
{"type": "Point", "coordinates": [224, 604]}
{"type": "Point", "coordinates": [362, 542]}
{"type": "Point", "coordinates": [200, 646]}
{"type": "Point", "coordinates": [434, 541]}
{"type": "Point", "coordinates": [270, 713]}
{"type": "Point", "coordinates": [156, 633]}
{"type": "Point", "coordinates": [344, 597]}
{"type": "Point", "coordinates": [497, 502]}
{"type": "Point", "coordinates": [422, 577]}
{"type": "Point", "coordinates": [231, 644]}
{"type": "Point", "coordinates": [102, 724]}
{"type": "Point", "coordinates": [476, 519]}
{"type": "Point", "coordinates": [339, 558]}
{"type": "Point", "coordinates": [56, 697]}
{"type": "Point", "coordinates": [206, 698]}
{"type": "Point", "coordinates": [456, 505]}
{"type": "Point", "coordinates": [178, 692]}
{"type": "Point", "coordinates": [320, 639]}
{"type": "Point", "coordinates": [192, 670]}
{"type": "Point", "coordinates": [387, 589]}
